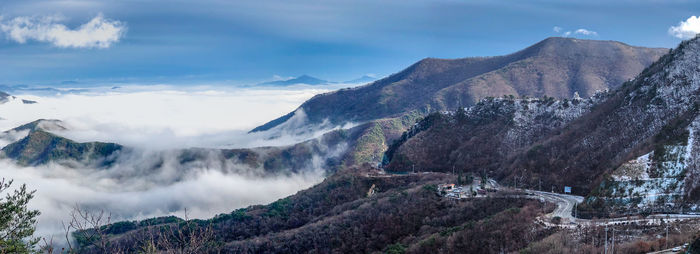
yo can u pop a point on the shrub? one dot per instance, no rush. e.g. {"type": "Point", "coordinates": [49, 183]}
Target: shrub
{"type": "Point", "coordinates": [556, 220]}
{"type": "Point", "coordinates": [396, 248]}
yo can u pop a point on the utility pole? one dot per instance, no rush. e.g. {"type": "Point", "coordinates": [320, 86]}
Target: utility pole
{"type": "Point", "coordinates": [606, 239]}
{"type": "Point", "coordinates": [613, 241]}
{"type": "Point", "coordinates": [414, 168]}
{"type": "Point", "coordinates": [666, 236]}
{"type": "Point", "coordinates": [453, 169]}
{"type": "Point", "coordinates": [540, 185]}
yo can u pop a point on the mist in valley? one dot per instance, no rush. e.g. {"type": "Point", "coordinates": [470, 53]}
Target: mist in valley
{"type": "Point", "coordinates": [157, 126]}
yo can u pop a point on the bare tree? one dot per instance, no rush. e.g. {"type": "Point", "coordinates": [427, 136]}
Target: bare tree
{"type": "Point", "coordinates": [185, 237]}
{"type": "Point", "coordinates": [89, 227]}
{"type": "Point", "coordinates": [89, 231]}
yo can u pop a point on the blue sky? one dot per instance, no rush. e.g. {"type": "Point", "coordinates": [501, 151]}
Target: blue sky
{"type": "Point", "coordinates": [238, 42]}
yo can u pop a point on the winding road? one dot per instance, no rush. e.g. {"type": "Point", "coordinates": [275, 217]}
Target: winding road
{"type": "Point", "coordinates": [565, 205]}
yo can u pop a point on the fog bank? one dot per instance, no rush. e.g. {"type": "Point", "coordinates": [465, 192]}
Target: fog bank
{"type": "Point", "coordinates": [155, 123]}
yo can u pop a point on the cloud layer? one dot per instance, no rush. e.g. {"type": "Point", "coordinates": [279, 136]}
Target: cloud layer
{"type": "Point", "coordinates": [686, 29]}
{"type": "Point", "coordinates": [164, 117]}
{"type": "Point", "coordinates": [156, 121]}
{"type": "Point", "coordinates": [203, 192]}
{"type": "Point", "coordinates": [99, 32]}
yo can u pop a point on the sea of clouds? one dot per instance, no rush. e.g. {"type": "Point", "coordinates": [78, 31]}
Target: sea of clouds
{"type": "Point", "coordinates": [162, 116]}
{"type": "Point", "coordinates": [153, 119]}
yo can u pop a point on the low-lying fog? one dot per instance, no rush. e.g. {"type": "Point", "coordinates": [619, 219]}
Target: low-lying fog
{"type": "Point", "coordinates": [163, 116]}
{"type": "Point", "coordinates": [151, 119]}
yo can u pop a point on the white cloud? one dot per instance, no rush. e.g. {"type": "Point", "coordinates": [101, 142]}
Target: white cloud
{"type": "Point", "coordinates": [580, 31]}
{"type": "Point", "coordinates": [586, 32]}
{"type": "Point", "coordinates": [686, 29]}
{"type": "Point", "coordinates": [99, 32]}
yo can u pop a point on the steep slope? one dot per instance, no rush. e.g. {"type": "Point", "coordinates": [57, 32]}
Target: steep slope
{"type": "Point", "coordinates": [649, 110]}
{"type": "Point", "coordinates": [482, 137]}
{"type": "Point", "coordinates": [556, 67]}
{"type": "Point", "coordinates": [653, 112]}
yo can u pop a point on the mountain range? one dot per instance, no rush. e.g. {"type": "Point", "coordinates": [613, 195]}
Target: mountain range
{"type": "Point", "coordinates": [616, 123]}
{"type": "Point", "coordinates": [641, 133]}
{"type": "Point", "coordinates": [384, 109]}
{"type": "Point", "coordinates": [36, 143]}
{"type": "Point", "coordinates": [556, 67]}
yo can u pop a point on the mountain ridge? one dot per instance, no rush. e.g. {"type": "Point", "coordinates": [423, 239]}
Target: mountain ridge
{"type": "Point", "coordinates": [435, 84]}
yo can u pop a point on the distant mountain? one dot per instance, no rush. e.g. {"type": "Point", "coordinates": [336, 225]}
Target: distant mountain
{"type": "Point", "coordinates": [303, 79]}
{"type": "Point", "coordinates": [4, 97]}
{"type": "Point", "coordinates": [69, 82]}
{"type": "Point", "coordinates": [556, 67]}
{"type": "Point", "coordinates": [36, 143]}
{"type": "Point", "coordinates": [361, 80]}
{"type": "Point", "coordinates": [41, 124]}
{"type": "Point", "coordinates": [40, 147]}
{"type": "Point", "coordinates": [35, 90]}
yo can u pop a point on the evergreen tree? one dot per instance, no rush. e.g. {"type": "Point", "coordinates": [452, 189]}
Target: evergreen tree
{"type": "Point", "coordinates": [461, 114]}
{"type": "Point", "coordinates": [17, 222]}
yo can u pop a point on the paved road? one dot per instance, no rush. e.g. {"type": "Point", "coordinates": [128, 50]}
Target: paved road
{"type": "Point", "coordinates": [565, 203]}
{"type": "Point", "coordinates": [666, 251]}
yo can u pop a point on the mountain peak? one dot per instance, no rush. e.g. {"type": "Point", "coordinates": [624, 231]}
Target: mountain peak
{"type": "Point", "coordinates": [303, 79]}
{"type": "Point", "coordinates": [41, 124]}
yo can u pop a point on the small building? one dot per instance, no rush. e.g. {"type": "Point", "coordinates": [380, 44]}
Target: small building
{"type": "Point", "coordinates": [456, 194]}
{"type": "Point", "coordinates": [446, 187]}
